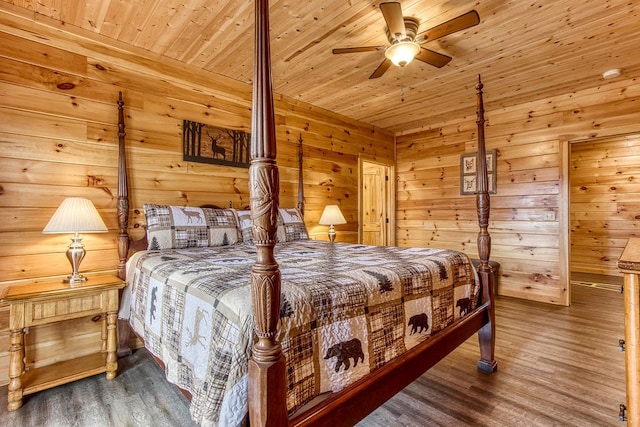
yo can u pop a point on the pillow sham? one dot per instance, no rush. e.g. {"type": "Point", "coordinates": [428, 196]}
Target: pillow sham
{"type": "Point", "coordinates": [244, 219]}
{"type": "Point", "coordinates": [293, 225]}
{"type": "Point", "coordinates": [178, 227]}
{"type": "Point", "coordinates": [290, 226]}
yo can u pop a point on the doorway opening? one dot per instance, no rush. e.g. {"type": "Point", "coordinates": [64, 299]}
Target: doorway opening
{"type": "Point", "coordinates": [604, 209]}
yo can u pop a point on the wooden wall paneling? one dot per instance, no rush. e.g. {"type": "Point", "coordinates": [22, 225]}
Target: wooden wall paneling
{"type": "Point", "coordinates": [14, 242]}
{"type": "Point", "coordinates": [31, 195]}
{"type": "Point", "coordinates": [52, 103]}
{"type": "Point", "coordinates": [54, 264]}
{"type": "Point", "coordinates": [223, 114]}
{"type": "Point", "coordinates": [80, 337]}
{"type": "Point", "coordinates": [528, 223]}
{"type": "Point", "coordinates": [35, 52]}
{"type": "Point", "coordinates": [336, 132]}
{"type": "Point", "coordinates": [29, 171]}
{"type": "Point", "coordinates": [34, 76]}
{"type": "Point", "coordinates": [27, 124]}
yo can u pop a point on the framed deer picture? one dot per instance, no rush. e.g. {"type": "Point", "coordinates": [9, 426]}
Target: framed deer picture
{"type": "Point", "coordinates": [468, 172]}
{"type": "Point", "coordinates": [210, 144]}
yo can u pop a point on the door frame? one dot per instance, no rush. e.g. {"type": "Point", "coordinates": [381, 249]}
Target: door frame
{"type": "Point", "coordinates": [564, 220]}
{"type": "Point", "coordinates": [391, 198]}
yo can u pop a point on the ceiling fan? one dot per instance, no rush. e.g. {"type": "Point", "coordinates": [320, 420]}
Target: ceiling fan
{"type": "Point", "coordinates": [404, 39]}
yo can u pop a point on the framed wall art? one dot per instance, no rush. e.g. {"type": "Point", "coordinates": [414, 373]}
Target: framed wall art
{"type": "Point", "coordinates": [468, 172]}
{"type": "Point", "coordinates": [215, 145]}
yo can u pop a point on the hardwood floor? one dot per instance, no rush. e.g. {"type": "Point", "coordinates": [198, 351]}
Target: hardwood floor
{"type": "Point", "coordinates": [557, 366]}
{"type": "Point", "coordinates": [596, 278]}
{"type": "Point", "coordinates": [602, 281]}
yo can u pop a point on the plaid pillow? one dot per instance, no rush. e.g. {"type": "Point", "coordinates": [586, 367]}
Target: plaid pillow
{"type": "Point", "coordinates": [293, 225]}
{"type": "Point", "coordinates": [244, 218]}
{"type": "Point", "coordinates": [176, 227]}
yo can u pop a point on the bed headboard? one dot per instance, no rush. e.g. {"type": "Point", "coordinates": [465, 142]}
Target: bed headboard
{"type": "Point", "coordinates": [125, 242]}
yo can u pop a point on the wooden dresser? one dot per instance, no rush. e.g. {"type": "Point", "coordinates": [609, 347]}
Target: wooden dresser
{"type": "Point", "coordinates": [629, 264]}
{"type": "Point", "coordinates": [46, 301]}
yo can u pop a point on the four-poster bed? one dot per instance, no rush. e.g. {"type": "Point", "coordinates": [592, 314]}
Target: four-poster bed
{"type": "Point", "coordinates": [268, 393]}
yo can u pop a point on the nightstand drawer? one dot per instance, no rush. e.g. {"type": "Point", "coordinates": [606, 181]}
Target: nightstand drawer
{"type": "Point", "coordinates": [48, 311]}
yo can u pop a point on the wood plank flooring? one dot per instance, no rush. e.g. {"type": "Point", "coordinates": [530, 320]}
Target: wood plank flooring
{"type": "Point", "coordinates": [557, 366]}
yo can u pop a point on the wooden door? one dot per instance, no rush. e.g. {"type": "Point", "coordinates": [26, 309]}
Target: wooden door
{"type": "Point", "coordinates": [376, 207]}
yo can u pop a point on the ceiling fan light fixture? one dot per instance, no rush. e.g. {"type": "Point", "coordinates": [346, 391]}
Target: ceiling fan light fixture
{"type": "Point", "coordinates": [402, 53]}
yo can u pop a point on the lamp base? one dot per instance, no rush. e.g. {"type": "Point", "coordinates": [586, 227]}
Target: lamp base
{"type": "Point", "coordinates": [75, 254]}
{"type": "Point", "coordinates": [75, 279]}
{"type": "Point", "coordinates": [332, 234]}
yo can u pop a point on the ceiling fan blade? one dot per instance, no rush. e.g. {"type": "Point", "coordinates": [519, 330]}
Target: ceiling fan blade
{"type": "Point", "coordinates": [392, 12]}
{"type": "Point", "coordinates": [357, 49]}
{"type": "Point", "coordinates": [382, 68]}
{"type": "Point", "coordinates": [433, 58]}
{"type": "Point", "coordinates": [462, 22]}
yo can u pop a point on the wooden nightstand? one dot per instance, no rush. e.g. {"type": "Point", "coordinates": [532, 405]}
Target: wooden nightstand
{"type": "Point", "coordinates": [48, 301]}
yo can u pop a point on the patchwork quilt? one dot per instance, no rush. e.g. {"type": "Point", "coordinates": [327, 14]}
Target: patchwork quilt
{"type": "Point", "coordinates": [346, 310]}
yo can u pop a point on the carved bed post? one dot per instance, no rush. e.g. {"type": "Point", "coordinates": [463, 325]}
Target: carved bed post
{"type": "Point", "coordinates": [300, 179]}
{"type": "Point", "coordinates": [123, 225]}
{"type": "Point", "coordinates": [123, 194]}
{"type": "Point", "coordinates": [486, 334]}
{"type": "Point", "coordinates": [267, 379]}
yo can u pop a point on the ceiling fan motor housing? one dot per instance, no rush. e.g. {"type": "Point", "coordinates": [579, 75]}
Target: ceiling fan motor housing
{"type": "Point", "coordinates": [411, 28]}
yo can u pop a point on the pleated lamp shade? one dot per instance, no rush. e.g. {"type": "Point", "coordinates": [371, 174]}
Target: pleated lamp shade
{"type": "Point", "coordinates": [331, 215]}
{"type": "Point", "coordinates": [76, 215]}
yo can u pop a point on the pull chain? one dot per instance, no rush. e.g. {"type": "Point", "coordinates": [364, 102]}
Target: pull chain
{"type": "Point", "coordinates": [401, 84]}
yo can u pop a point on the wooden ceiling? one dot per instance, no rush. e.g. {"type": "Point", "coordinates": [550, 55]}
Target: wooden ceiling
{"type": "Point", "coordinates": [525, 50]}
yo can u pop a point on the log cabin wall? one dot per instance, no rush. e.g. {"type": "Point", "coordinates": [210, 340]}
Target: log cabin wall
{"type": "Point", "coordinates": [605, 202]}
{"type": "Point", "coordinates": [529, 214]}
{"type": "Point", "coordinates": [59, 139]}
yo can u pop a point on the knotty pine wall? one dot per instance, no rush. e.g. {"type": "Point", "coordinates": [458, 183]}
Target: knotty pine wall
{"type": "Point", "coordinates": [605, 201]}
{"type": "Point", "coordinates": [529, 221]}
{"type": "Point", "coordinates": [60, 142]}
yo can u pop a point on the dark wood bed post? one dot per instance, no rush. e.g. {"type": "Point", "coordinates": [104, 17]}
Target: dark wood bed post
{"type": "Point", "coordinates": [123, 225]}
{"type": "Point", "coordinates": [300, 179]}
{"type": "Point", "coordinates": [267, 379]}
{"type": "Point", "coordinates": [123, 194]}
{"type": "Point", "coordinates": [486, 335]}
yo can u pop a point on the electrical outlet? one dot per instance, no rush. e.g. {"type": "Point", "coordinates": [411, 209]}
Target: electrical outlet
{"type": "Point", "coordinates": [550, 216]}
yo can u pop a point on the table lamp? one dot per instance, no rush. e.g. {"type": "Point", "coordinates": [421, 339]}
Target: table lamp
{"type": "Point", "coordinates": [75, 215]}
{"type": "Point", "coordinates": [332, 216]}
